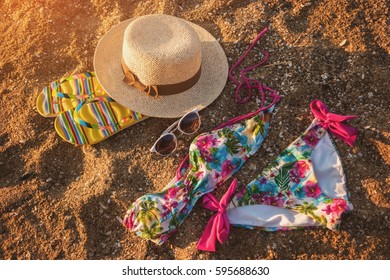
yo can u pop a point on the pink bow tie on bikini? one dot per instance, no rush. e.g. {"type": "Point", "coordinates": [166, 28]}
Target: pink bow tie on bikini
{"type": "Point", "coordinates": [218, 227]}
{"type": "Point", "coordinates": [334, 123]}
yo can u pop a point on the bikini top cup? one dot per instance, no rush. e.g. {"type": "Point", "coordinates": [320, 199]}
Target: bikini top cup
{"type": "Point", "coordinates": [304, 186]}
{"type": "Point", "coordinates": [213, 158]}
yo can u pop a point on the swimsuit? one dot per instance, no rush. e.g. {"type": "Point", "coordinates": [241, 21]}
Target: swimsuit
{"type": "Point", "coordinates": [304, 187]}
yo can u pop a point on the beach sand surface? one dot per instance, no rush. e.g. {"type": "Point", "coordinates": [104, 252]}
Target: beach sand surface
{"type": "Point", "coordinates": [59, 201]}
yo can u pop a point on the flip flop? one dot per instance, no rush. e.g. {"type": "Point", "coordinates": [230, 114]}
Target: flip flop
{"type": "Point", "coordinates": [67, 93]}
{"type": "Point", "coordinates": [94, 120]}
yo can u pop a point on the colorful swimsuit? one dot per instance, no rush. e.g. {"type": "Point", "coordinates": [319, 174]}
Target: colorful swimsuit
{"type": "Point", "coordinates": [304, 187]}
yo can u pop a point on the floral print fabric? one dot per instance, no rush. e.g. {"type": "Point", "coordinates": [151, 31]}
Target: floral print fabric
{"type": "Point", "coordinates": [213, 158]}
{"type": "Point", "coordinates": [290, 182]}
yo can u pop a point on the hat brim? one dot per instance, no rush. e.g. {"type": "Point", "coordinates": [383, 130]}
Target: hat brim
{"type": "Point", "coordinates": [108, 70]}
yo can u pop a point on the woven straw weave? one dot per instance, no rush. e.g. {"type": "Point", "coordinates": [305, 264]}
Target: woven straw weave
{"type": "Point", "coordinates": [161, 51]}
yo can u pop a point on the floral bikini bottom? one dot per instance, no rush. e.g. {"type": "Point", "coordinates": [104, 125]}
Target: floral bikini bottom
{"type": "Point", "coordinates": [304, 186]}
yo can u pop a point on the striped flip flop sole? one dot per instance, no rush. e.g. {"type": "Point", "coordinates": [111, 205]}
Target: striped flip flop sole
{"type": "Point", "coordinates": [94, 122]}
{"type": "Point", "coordinates": [67, 93]}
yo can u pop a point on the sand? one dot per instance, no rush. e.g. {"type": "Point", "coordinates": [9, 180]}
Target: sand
{"type": "Point", "coordinates": [59, 201]}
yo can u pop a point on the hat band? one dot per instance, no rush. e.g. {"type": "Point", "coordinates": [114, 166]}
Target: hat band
{"type": "Point", "coordinates": [156, 90]}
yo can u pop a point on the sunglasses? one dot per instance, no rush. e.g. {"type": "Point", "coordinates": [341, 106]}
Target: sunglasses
{"type": "Point", "coordinates": [167, 143]}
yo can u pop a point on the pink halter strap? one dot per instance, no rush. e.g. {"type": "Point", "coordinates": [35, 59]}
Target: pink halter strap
{"type": "Point", "coordinates": [334, 123]}
{"type": "Point", "coordinates": [247, 83]}
{"type": "Point", "coordinates": [250, 85]}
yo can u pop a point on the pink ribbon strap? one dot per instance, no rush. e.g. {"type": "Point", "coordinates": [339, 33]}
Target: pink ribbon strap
{"type": "Point", "coordinates": [334, 123]}
{"type": "Point", "coordinates": [218, 227]}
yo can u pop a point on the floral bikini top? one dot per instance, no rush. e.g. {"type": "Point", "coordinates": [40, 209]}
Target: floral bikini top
{"type": "Point", "coordinates": [213, 158]}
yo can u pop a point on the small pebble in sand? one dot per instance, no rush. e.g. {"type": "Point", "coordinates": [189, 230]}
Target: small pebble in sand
{"type": "Point", "coordinates": [25, 176]}
{"type": "Point", "coordinates": [180, 143]}
{"type": "Point", "coordinates": [348, 86]}
{"type": "Point", "coordinates": [369, 134]}
{"type": "Point", "coordinates": [343, 42]}
{"type": "Point", "coordinates": [106, 251]}
{"type": "Point", "coordinates": [252, 166]}
{"type": "Point", "coordinates": [102, 206]}
{"type": "Point", "coordinates": [4, 90]}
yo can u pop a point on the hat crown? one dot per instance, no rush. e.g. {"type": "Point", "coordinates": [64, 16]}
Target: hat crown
{"type": "Point", "coordinates": [161, 50]}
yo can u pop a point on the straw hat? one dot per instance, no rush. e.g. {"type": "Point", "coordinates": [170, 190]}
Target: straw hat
{"type": "Point", "coordinates": [161, 65]}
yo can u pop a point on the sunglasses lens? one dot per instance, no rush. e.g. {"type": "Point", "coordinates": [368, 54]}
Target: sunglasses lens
{"type": "Point", "coordinates": [190, 123]}
{"type": "Point", "coordinates": [166, 145]}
